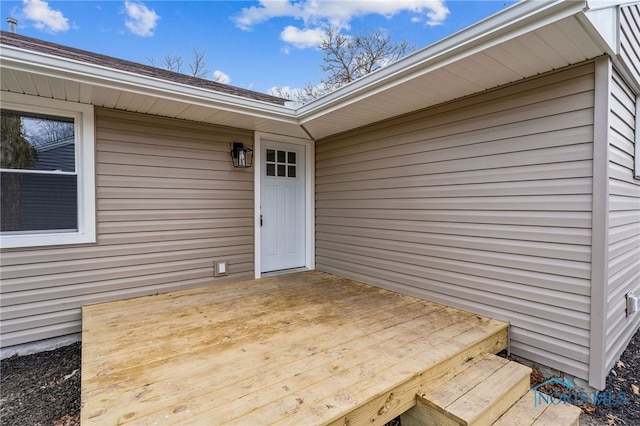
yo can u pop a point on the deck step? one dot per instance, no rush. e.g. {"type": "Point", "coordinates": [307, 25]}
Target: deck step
{"type": "Point", "coordinates": [525, 413]}
{"type": "Point", "coordinates": [476, 393]}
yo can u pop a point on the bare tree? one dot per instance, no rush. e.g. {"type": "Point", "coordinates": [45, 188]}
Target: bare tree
{"type": "Point", "coordinates": [15, 149]}
{"type": "Point", "coordinates": [15, 153]}
{"type": "Point", "coordinates": [305, 95]}
{"type": "Point", "coordinates": [347, 58]}
{"type": "Point", "coordinates": [41, 132]}
{"type": "Point", "coordinates": [197, 67]}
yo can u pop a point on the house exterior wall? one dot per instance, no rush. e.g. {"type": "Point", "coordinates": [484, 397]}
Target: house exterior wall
{"type": "Point", "coordinates": [630, 38]}
{"type": "Point", "coordinates": [624, 221]}
{"type": "Point", "coordinates": [169, 203]}
{"type": "Point", "coordinates": [483, 204]}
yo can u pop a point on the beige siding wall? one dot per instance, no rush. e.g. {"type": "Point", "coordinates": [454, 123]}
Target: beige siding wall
{"type": "Point", "coordinates": [630, 38]}
{"type": "Point", "coordinates": [624, 221]}
{"type": "Point", "coordinates": [482, 204]}
{"type": "Point", "coordinates": [169, 204]}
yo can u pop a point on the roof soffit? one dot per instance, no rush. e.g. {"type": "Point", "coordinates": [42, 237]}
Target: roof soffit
{"type": "Point", "coordinates": [93, 75]}
{"type": "Point", "coordinates": [332, 114]}
{"type": "Point", "coordinates": [508, 24]}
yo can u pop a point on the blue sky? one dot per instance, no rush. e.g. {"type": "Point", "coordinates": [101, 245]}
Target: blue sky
{"type": "Point", "coordinates": [251, 44]}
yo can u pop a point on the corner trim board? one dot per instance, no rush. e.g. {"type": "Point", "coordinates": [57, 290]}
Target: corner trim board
{"type": "Point", "coordinates": [600, 223]}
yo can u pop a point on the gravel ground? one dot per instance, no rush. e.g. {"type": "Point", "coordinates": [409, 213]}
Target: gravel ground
{"type": "Point", "coordinates": [44, 389]}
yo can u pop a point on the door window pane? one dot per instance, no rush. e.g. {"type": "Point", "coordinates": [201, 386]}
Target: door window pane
{"type": "Point", "coordinates": [291, 157]}
{"type": "Point", "coordinates": [281, 170]}
{"type": "Point", "coordinates": [291, 172]}
{"type": "Point", "coordinates": [271, 169]}
{"type": "Point", "coordinates": [271, 155]}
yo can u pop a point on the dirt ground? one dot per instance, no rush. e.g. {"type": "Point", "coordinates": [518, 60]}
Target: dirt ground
{"type": "Point", "coordinates": [44, 389]}
{"type": "Point", "coordinates": [624, 378]}
{"type": "Point", "coordinates": [41, 389]}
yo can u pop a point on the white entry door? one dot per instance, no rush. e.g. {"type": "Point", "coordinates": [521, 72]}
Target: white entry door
{"type": "Point", "coordinates": [282, 199]}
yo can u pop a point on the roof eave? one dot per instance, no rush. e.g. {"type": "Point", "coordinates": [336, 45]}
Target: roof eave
{"type": "Point", "coordinates": [507, 24]}
{"type": "Point", "coordinates": [20, 59]}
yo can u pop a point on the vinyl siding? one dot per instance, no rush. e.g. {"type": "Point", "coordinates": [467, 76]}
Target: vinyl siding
{"type": "Point", "coordinates": [482, 204]}
{"type": "Point", "coordinates": [624, 221]}
{"type": "Point", "coordinates": [630, 38]}
{"type": "Point", "coordinates": [169, 203]}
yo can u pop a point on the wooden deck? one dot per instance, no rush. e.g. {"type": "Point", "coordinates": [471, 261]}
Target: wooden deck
{"type": "Point", "coordinates": [300, 349]}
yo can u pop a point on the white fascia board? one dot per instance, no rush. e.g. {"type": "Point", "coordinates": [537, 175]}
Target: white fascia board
{"type": "Point", "coordinates": [603, 25]}
{"type": "Point", "coordinates": [605, 22]}
{"type": "Point", "coordinates": [53, 66]}
{"type": "Point", "coordinates": [516, 20]}
{"type": "Point", "coordinates": [608, 4]}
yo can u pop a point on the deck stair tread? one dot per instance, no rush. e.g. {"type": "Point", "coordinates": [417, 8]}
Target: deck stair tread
{"type": "Point", "coordinates": [477, 392]}
{"type": "Point", "coordinates": [486, 390]}
{"type": "Point", "coordinates": [526, 413]}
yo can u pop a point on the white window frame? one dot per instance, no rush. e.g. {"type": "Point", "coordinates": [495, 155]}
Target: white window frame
{"type": "Point", "coordinates": [83, 117]}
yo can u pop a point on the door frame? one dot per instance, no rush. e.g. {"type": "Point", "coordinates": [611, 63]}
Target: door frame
{"type": "Point", "coordinates": [309, 189]}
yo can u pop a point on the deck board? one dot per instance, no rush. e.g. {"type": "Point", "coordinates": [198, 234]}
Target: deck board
{"type": "Point", "coordinates": [306, 348]}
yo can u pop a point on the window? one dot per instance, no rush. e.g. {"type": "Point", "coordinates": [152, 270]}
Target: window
{"type": "Point", "coordinates": [281, 163]}
{"type": "Point", "coordinates": [47, 184]}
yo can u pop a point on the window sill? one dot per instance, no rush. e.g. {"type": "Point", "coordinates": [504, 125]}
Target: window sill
{"type": "Point", "coordinates": [45, 240]}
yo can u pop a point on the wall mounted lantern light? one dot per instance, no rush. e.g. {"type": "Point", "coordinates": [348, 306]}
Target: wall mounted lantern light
{"type": "Point", "coordinates": [241, 156]}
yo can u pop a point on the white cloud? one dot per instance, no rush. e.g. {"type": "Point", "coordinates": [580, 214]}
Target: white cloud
{"type": "Point", "coordinates": [250, 16]}
{"type": "Point", "coordinates": [45, 18]}
{"type": "Point", "coordinates": [221, 77]}
{"type": "Point", "coordinates": [316, 15]}
{"type": "Point", "coordinates": [437, 14]}
{"type": "Point", "coordinates": [140, 19]}
{"type": "Point", "coordinates": [339, 13]}
{"type": "Point", "coordinates": [302, 38]}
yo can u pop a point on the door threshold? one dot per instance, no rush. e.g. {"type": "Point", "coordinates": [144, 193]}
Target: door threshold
{"type": "Point", "coordinates": [283, 272]}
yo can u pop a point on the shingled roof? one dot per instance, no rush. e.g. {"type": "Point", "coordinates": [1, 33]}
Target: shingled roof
{"type": "Point", "coordinates": [33, 44]}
